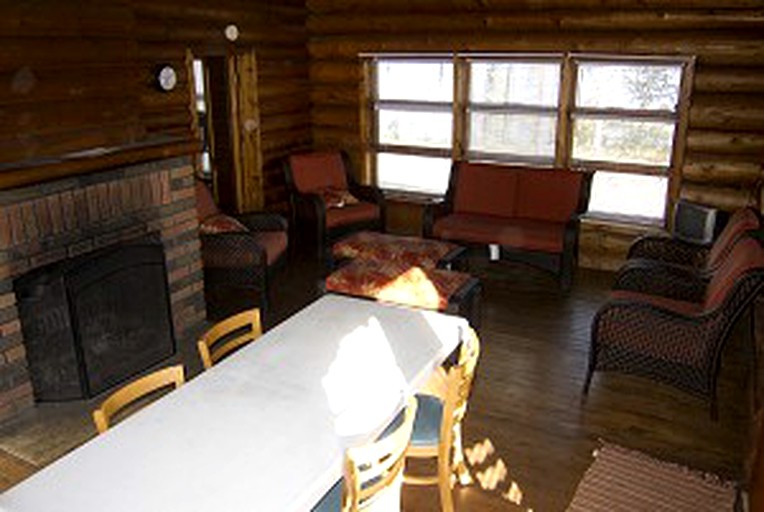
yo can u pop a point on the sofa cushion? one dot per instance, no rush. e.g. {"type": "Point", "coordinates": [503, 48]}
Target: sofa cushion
{"type": "Point", "coordinates": [316, 172]}
{"type": "Point", "coordinates": [274, 243]}
{"type": "Point", "coordinates": [351, 213]}
{"type": "Point", "coordinates": [547, 194]}
{"type": "Point", "coordinates": [532, 235]}
{"type": "Point", "coordinates": [485, 189]}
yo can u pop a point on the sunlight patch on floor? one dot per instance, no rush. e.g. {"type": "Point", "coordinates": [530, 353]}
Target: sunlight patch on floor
{"type": "Point", "coordinates": [492, 473]}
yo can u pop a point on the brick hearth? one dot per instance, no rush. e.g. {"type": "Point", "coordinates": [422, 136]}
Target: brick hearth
{"type": "Point", "coordinates": [46, 223]}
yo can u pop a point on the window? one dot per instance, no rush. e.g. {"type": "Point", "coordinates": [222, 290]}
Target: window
{"type": "Point", "coordinates": [513, 110]}
{"type": "Point", "coordinates": [624, 118]}
{"type": "Point", "coordinates": [618, 117]}
{"type": "Point", "coordinates": [414, 124]}
{"type": "Point", "coordinates": [201, 101]}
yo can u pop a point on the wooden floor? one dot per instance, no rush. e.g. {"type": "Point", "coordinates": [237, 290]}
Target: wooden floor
{"type": "Point", "coordinates": [529, 435]}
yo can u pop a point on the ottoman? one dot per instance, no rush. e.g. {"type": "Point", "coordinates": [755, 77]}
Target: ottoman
{"type": "Point", "coordinates": [409, 250]}
{"type": "Point", "coordinates": [391, 281]}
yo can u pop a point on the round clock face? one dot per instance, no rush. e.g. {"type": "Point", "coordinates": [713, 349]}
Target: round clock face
{"type": "Point", "coordinates": [167, 78]}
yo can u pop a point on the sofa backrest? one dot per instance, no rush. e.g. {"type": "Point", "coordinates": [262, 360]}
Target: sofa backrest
{"type": "Point", "coordinates": [746, 256]}
{"type": "Point", "coordinates": [551, 194]}
{"type": "Point", "coordinates": [511, 191]}
{"type": "Point", "coordinates": [318, 171]}
{"type": "Point", "coordinates": [484, 189]}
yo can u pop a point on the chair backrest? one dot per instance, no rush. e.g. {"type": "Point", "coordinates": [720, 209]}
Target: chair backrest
{"type": "Point", "coordinates": [134, 391]}
{"type": "Point", "coordinates": [458, 387]}
{"type": "Point", "coordinates": [318, 171]}
{"type": "Point", "coordinates": [228, 335]}
{"type": "Point", "coordinates": [205, 203]}
{"type": "Point", "coordinates": [377, 466]}
{"type": "Point", "coordinates": [741, 221]}
{"type": "Point", "coordinates": [740, 274]}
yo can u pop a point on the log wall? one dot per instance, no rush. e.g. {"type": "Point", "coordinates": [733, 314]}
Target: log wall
{"type": "Point", "coordinates": [725, 138]}
{"type": "Point", "coordinates": [80, 74]}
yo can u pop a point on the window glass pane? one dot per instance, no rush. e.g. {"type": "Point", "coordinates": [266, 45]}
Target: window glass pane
{"type": "Point", "coordinates": [636, 87]}
{"type": "Point", "coordinates": [520, 83]}
{"type": "Point", "coordinates": [199, 85]}
{"type": "Point", "coordinates": [415, 81]}
{"type": "Point", "coordinates": [402, 127]}
{"type": "Point", "coordinates": [628, 194]}
{"type": "Point", "coordinates": [623, 141]}
{"type": "Point", "coordinates": [413, 173]}
{"type": "Point", "coordinates": [516, 134]}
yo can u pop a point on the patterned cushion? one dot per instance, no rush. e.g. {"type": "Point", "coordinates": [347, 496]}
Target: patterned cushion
{"type": "Point", "coordinates": [397, 283]}
{"type": "Point", "coordinates": [221, 223]}
{"type": "Point", "coordinates": [384, 247]}
{"type": "Point", "coordinates": [679, 306]}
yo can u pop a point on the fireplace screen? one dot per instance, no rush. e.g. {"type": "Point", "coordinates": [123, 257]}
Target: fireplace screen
{"type": "Point", "coordinates": [93, 321]}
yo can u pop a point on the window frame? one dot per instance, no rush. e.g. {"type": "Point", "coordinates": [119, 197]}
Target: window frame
{"type": "Point", "coordinates": [566, 112]}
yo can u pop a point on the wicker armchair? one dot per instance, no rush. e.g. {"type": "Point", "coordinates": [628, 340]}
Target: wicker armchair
{"type": "Point", "coordinates": [678, 341]}
{"type": "Point", "coordinates": [327, 202]}
{"type": "Point", "coordinates": [238, 256]}
{"type": "Point", "coordinates": [704, 258]}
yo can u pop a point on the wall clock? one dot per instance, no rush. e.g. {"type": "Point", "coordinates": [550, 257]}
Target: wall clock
{"type": "Point", "coordinates": [167, 78]}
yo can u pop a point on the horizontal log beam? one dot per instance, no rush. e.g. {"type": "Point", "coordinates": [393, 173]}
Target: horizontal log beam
{"type": "Point", "coordinates": [540, 6]}
{"type": "Point", "coordinates": [712, 170]}
{"type": "Point", "coordinates": [403, 22]}
{"type": "Point", "coordinates": [725, 198]}
{"type": "Point", "coordinates": [731, 48]}
{"type": "Point", "coordinates": [725, 143]}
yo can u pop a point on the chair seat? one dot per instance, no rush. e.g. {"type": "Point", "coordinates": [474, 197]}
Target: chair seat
{"type": "Point", "coordinates": [528, 234]}
{"type": "Point", "coordinates": [426, 431]}
{"type": "Point", "coordinates": [429, 414]}
{"type": "Point", "coordinates": [351, 214]}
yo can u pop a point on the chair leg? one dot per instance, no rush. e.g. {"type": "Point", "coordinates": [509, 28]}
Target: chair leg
{"type": "Point", "coordinates": [444, 486]}
{"type": "Point", "coordinates": [460, 470]}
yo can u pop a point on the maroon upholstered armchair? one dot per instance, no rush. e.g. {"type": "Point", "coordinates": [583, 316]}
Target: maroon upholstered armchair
{"type": "Point", "coordinates": [678, 340]}
{"type": "Point", "coordinates": [327, 202]}
{"type": "Point", "coordinates": [238, 254]}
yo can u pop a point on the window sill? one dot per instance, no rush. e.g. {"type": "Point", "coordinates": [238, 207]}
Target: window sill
{"type": "Point", "coordinates": [637, 225]}
{"type": "Point", "coordinates": [405, 196]}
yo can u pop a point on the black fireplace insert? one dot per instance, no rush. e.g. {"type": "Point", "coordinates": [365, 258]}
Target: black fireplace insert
{"type": "Point", "coordinates": [93, 321]}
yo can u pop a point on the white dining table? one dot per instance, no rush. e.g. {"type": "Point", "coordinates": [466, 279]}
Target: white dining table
{"type": "Point", "coordinates": [265, 429]}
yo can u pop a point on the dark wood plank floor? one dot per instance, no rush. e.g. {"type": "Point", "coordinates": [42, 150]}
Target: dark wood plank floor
{"type": "Point", "coordinates": [527, 429]}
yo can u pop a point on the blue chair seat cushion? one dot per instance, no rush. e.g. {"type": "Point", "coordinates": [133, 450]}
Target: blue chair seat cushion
{"type": "Point", "coordinates": [429, 413]}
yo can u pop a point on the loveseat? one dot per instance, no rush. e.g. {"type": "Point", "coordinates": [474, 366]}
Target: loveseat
{"type": "Point", "coordinates": [531, 214]}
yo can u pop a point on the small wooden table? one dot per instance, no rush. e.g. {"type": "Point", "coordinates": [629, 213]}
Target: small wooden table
{"type": "Point", "coordinates": [265, 429]}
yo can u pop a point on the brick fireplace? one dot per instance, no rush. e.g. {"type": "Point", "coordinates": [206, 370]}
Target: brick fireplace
{"type": "Point", "coordinates": [47, 223]}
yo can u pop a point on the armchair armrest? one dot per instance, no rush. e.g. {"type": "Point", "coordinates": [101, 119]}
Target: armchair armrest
{"type": "Point", "coordinates": [366, 193]}
{"type": "Point", "coordinates": [432, 212]}
{"type": "Point", "coordinates": [653, 278]}
{"type": "Point", "coordinates": [262, 221]}
{"type": "Point", "coordinates": [670, 250]}
{"type": "Point", "coordinates": [231, 249]}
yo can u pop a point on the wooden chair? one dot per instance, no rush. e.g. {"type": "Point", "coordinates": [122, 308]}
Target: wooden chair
{"type": "Point", "coordinates": [372, 471]}
{"type": "Point", "coordinates": [134, 391]}
{"type": "Point", "coordinates": [228, 335]}
{"type": "Point", "coordinates": [437, 430]}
